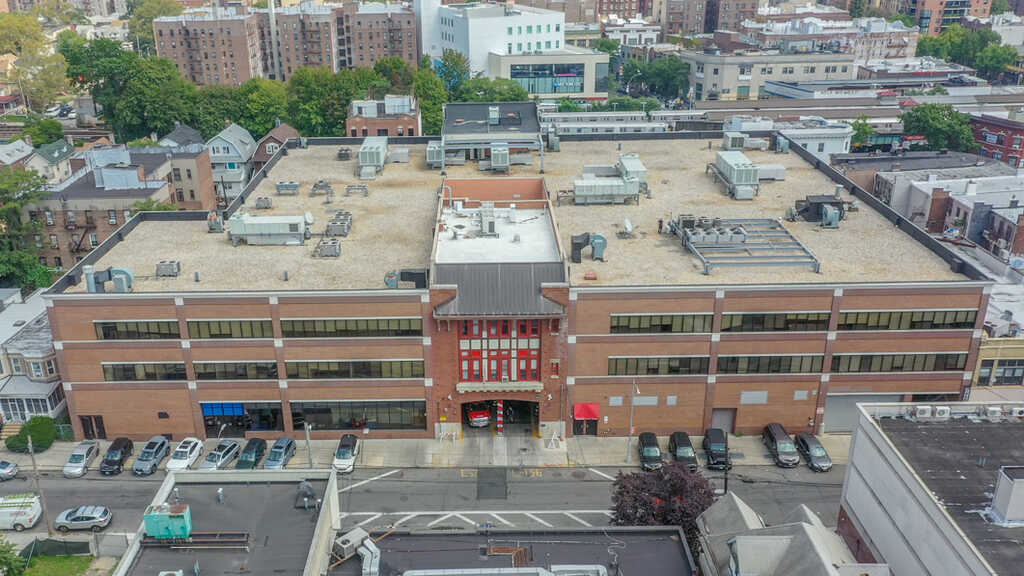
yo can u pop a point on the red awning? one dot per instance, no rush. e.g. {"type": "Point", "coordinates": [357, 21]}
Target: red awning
{"type": "Point", "coordinates": [586, 411]}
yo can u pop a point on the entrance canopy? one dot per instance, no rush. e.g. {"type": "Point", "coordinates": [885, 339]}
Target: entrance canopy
{"type": "Point", "coordinates": [586, 411]}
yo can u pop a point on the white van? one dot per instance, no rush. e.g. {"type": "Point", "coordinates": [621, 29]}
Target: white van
{"type": "Point", "coordinates": [19, 511]}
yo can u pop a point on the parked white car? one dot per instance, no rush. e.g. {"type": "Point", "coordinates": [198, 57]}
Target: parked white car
{"type": "Point", "coordinates": [187, 452]}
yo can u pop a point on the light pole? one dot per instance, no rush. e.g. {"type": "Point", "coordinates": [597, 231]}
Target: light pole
{"type": "Point", "coordinates": [221, 431]}
{"type": "Point", "coordinates": [629, 439]}
{"type": "Point", "coordinates": [309, 447]}
{"type": "Point", "coordinates": [35, 480]}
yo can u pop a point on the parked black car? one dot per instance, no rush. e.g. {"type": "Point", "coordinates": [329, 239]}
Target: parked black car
{"type": "Point", "coordinates": [716, 449]}
{"type": "Point", "coordinates": [812, 450]}
{"type": "Point", "coordinates": [251, 454]}
{"type": "Point", "coordinates": [117, 454]}
{"type": "Point", "coordinates": [650, 453]}
{"type": "Point", "coordinates": [681, 449]}
{"type": "Point", "coordinates": [780, 446]}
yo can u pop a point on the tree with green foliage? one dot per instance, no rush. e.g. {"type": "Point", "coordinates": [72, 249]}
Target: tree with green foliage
{"type": "Point", "coordinates": [152, 205]}
{"type": "Point", "coordinates": [607, 45]}
{"type": "Point", "coordinates": [215, 106]}
{"type": "Point", "coordinates": [100, 66]}
{"type": "Point", "coordinates": [862, 131]}
{"type": "Point", "coordinates": [906, 19]}
{"type": "Point", "coordinates": [318, 99]}
{"type": "Point", "coordinates": [859, 8]}
{"type": "Point", "coordinates": [431, 96]}
{"type": "Point", "coordinates": [153, 99]}
{"type": "Point", "coordinates": [481, 89]}
{"type": "Point", "coordinates": [941, 125]}
{"type": "Point", "coordinates": [43, 130]}
{"type": "Point", "coordinates": [19, 262]}
{"type": "Point", "coordinates": [43, 431]}
{"type": "Point", "coordinates": [1000, 7]}
{"type": "Point", "coordinates": [141, 22]}
{"type": "Point", "coordinates": [396, 71]}
{"type": "Point", "coordinates": [18, 30]}
{"type": "Point", "coordinates": [11, 563]}
{"type": "Point", "coordinates": [627, 104]}
{"type": "Point", "coordinates": [58, 13]}
{"type": "Point", "coordinates": [966, 47]}
{"type": "Point", "coordinates": [263, 102]}
{"type": "Point", "coordinates": [453, 70]}
{"type": "Point", "coordinates": [668, 77]}
{"type": "Point", "coordinates": [566, 105]}
{"type": "Point", "coordinates": [994, 59]}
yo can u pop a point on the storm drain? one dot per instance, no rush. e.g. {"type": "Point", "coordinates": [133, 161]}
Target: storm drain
{"type": "Point", "coordinates": [492, 484]}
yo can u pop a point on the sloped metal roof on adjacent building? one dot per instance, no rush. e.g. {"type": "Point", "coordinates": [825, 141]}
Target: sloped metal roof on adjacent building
{"type": "Point", "coordinates": [499, 289]}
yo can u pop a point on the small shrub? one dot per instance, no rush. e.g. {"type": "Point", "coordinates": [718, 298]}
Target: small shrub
{"type": "Point", "coordinates": [43, 431]}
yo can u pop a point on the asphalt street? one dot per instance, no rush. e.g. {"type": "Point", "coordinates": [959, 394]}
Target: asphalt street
{"type": "Point", "coordinates": [125, 495]}
{"type": "Point", "coordinates": [435, 498]}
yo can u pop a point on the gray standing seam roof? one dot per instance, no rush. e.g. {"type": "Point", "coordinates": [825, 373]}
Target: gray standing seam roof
{"type": "Point", "coordinates": [499, 289]}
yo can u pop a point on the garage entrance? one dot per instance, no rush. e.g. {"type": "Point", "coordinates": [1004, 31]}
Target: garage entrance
{"type": "Point", "coordinates": [519, 417]}
{"type": "Point", "coordinates": [841, 412]}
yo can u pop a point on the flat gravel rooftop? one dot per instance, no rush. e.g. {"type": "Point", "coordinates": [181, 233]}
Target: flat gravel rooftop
{"type": "Point", "coordinates": [280, 534]}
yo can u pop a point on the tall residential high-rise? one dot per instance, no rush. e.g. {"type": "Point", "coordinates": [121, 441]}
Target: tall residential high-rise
{"type": "Point", "coordinates": [211, 48]}
{"type": "Point", "coordinates": [934, 16]}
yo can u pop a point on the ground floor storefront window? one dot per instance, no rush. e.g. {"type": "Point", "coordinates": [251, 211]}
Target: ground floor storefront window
{"type": "Point", "coordinates": [237, 418]}
{"type": "Point", "coordinates": [377, 415]}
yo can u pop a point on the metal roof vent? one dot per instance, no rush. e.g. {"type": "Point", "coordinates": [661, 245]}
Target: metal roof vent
{"type": "Point", "coordinates": [1008, 500]}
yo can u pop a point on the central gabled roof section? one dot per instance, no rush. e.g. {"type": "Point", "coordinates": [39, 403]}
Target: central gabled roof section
{"type": "Point", "coordinates": [497, 245]}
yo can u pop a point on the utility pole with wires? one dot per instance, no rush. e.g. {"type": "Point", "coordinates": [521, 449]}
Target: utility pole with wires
{"type": "Point", "coordinates": [39, 490]}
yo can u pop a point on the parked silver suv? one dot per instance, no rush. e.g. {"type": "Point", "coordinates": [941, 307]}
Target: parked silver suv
{"type": "Point", "coordinates": [80, 459]}
{"type": "Point", "coordinates": [155, 450]}
{"type": "Point", "coordinates": [95, 518]}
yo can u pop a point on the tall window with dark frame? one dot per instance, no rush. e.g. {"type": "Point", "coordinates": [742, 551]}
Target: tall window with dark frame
{"type": "Point", "coordinates": [783, 322]}
{"type": "Point", "coordinates": [769, 364]}
{"type": "Point", "coordinates": [155, 371]}
{"type": "Point", "coordinates": [138, 330]}
{"type": "Point", "coordinates": [354, 369]}
{"type": "Point", "coordinates": [235, 370]}
{"type": "Point", "coordinates": [202, 329]}
{"type": "Point", "coordinates": [655, 323]}
{"type": "Point", "coordinates": [352, 328]}
{"type": "Point", "coordinates": [658, 366]}
{"type": "Point", "coordinates": [899, 362]}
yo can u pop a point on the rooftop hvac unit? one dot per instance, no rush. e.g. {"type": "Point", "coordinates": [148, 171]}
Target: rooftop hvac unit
{"type": "Point", "coordinates": [994, 413]}
{"type": "Point", "coordinates": [167, 268]}
{"type": "Point", "coordinates": [922, 412]}
{"type": "Point", "coordinates": [500, 158]}
{"type": "Point", "coordinates": [373, 152]}
{"type": "Point", "coordinates": [327, 248]}
{"type": "Point", "coordinates": [340, 224]}
{"type": "Point", "coordinates": [1017, 411]}
{"type": "Point", "coordinates": [493, 115]}
{"type": "Point", "coordinates": [287, 188]}
{"type": "Point", "coordinates": [733, 140]}
{"type": "Point", "coordinates": [264, 203]}
{"type": "Point", "coordinates": [346, 544]}
{"type": "Point", "coordinates": [435, 154]}
{"type": "Point", "coordinates": [942, 412]}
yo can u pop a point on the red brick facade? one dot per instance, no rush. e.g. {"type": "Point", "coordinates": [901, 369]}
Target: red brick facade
{"type": "Point", "coordinates": [1000, 138]}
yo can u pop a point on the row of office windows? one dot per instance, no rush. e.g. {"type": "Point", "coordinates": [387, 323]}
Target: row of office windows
{"type": "Point", "coordinates": [787, 364]}
{"type": "Point", "coordinates": [212, 329]}
{"type": "Point", "coordinates": [795, 321]}
{"type": "Point", "coordinates": [265, 370]}
{"type": "Point", "coordinates": [899, 362]}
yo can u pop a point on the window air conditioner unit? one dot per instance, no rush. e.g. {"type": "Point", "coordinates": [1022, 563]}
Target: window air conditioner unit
{"type": "Point", "coordinates": [1017, 411]}
{"type": "Point", "coordinates": [942, 412]}
{"type": "Point", "coordinates": [994, 413]}
{"type": "Point", "coordinates": [922, 412]}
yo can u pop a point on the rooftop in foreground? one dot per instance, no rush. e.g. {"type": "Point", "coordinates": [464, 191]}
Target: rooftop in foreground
{"type": "Point", "coordinates": [393, 227]}
{"type": "Point", "coordinates": [279, 534]}
{"type": "Point", "coordinates": [651, 552]}
{"type": "Point", "coordinates": [945, 456]}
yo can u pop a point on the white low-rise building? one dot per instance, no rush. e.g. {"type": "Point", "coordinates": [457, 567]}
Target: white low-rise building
{"type": "Point", "coordinates": [820, 137]}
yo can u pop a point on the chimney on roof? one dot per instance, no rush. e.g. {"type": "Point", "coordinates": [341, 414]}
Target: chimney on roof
{"type": "Point", "coordinates": [972, 188]}
{"type": "Point", "coordinates": [1008, 500]}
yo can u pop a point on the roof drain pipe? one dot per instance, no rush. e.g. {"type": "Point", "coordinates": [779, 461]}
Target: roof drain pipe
{"type": "Point", "coordinates": [370, 554]}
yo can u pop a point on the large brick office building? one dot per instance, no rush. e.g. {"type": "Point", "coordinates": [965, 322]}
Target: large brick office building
{"type": "Point", "coordinates": [266, 338]}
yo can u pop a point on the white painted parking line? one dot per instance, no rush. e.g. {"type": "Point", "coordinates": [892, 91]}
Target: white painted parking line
{"type": "Point", "coordinates": [370, 519]}
{"type": "Point", "coordinates": [367, 481]}
{"type": "Point", "coordinates": [405, 518]}
{"type": "Point", "coordinates": [445, 517]}
{"type": "Point", "coordinates": [536, 519]}
{"type": "Point", "coordinates": [601, 474]}
{"type": "Point", "coordinates": [467, 520]}
{"type": "Point", "coordinates": [576, 518]}
{"type": "Point", "coordinates": [608, 514]}
{"type": "Point", "coordinates": [502, 520]}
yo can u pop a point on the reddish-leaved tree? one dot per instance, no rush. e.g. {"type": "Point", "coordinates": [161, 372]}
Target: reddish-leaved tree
{"type": "Point", "coordinates": [672, 496]}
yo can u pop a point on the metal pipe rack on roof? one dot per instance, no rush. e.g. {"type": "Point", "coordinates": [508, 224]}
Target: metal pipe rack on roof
{"type": "Point", "coordinates": [768, 243]}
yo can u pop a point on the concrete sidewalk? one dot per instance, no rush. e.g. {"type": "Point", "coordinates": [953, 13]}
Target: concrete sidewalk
{"type": "Point", "coordinates": [514, 449]}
